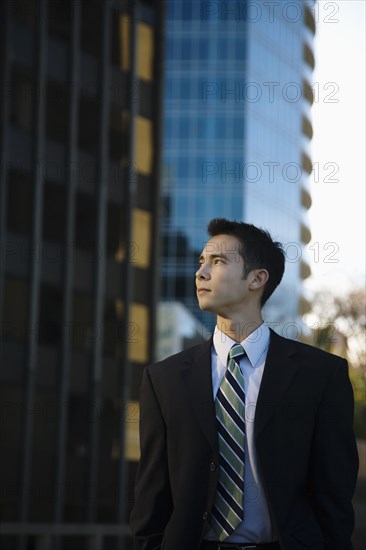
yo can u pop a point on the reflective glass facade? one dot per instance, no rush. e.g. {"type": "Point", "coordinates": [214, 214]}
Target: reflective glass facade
{"type": "Point", "coordinates": [234, 144]}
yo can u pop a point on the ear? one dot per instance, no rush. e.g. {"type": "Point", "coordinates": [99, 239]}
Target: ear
{"type": "Point", "coordinates": [258, 278]}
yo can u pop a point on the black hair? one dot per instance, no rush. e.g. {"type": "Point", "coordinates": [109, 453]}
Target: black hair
{"type": "Point", "coordinates": [257, 249]}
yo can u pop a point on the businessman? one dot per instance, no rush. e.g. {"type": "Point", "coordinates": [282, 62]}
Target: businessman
{"type": "Point", "coordinates": [246, 440]}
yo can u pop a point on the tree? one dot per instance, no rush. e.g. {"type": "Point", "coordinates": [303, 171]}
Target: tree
{"type": "Point", "coordinates": [339, 325]}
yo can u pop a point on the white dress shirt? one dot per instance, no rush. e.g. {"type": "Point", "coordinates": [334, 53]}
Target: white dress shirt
{"type": "Point", "coordinates": [256, 527]}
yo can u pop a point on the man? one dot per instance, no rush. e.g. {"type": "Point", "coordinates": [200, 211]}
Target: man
{"type": "Point", "coordinates": [246, 440]}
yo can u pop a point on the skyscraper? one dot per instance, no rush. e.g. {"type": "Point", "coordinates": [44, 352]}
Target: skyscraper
{"type": "Point", "coordinates": [80, 110]}
{"type": "Point", "coordinates": [237, 127]}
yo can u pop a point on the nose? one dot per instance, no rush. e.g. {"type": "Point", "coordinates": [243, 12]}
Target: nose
{"type": "Point", "coordinates": [202, 273]}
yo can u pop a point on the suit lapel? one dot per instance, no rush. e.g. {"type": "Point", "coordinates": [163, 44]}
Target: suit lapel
{"type": "Point", "coordinates": [196, 376]}
{"type": "Point", "coordinates": [279, 371]}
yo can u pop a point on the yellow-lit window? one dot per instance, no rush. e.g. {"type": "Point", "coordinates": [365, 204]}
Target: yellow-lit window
{"type": "Point", "coordinates": [124, 41]}
{"type": "Point", "coordinates": [138, 344]}
{"type": "Point", "coordinates": [143, 140]}
{"type": "Point", "coordinates": [139, 248]}
{"type": "Point", "coordinates": [145, 48]}
{"type": "Point", "coordinates": [141, 238]}
{"type": "Point", "coordinates": [131, 418]}
{"type": "Point", "coordinates": [145, 51]}
{"type": "Point", "coordinates": [144, 145]}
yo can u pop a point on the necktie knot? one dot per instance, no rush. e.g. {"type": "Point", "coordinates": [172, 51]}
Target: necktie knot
{"type": "Point", "coordinates": [236, 351]}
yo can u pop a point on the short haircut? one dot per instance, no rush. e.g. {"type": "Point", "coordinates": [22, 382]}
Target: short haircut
{"type": "Point", "coordinates": [257, 249]}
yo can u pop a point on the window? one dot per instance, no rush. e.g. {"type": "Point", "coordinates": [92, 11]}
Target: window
{"type": "Point", "coordinates": [220, 130]}
{"type": "Point", "coordinates": [238, 128]}
{"type": "Point", "coordinates": [22, 96]}
{"type": "Point", "coordinates": [203, 49]}
{"type": "Point", "coordinates": [202, 127]}
{"type": "Point", "coordinates": [54, 213]}
{"type": "Point", "coordinates": [186, 48]}
{"type": "Point", "coordinates": [186, 10]}
{"type": "Point", "coordinates": [25, 11]}
{"type": "Point", "coordinates": [86, 221]}
{"type": "Point", "coordinates": [119, 126]}
{"type": "Point", "coordinates": [91, 17]}
{"type": "Point", "coordinates": [139, 334]}
{"type": "Point", "coordinates": [50, 320]}
{"type": "Point", "coordinates": [20, 202]}
{"type": "Point", "coordinates": [240, 49]}
{"type": "Point", "coordinates": [57, 111]}
{"type": "Point", "coordinates": [116, 244]}
{"type": "Point", "coordinates": [184, 128]}
{"type": "Point", "coordinates": [144, 145]}
{"type": "Point", "coordinates": [222, 48]}
{"type": "Point", "coordinates": [145, 51]}
{"type": "Point", "coordinates": [15, 313]}
{"type": "Point", "coordinates": [89, 125]}
{"type": "Point", "coordinates": [185, 85]}
{"type": "Point", "coordinates": [59, 19]}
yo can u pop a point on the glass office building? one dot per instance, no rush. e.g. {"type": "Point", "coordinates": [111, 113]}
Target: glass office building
{"type": "Point", "coordinates": [79, 156]}
{"type": "Point", "coordinates": [237, 128]}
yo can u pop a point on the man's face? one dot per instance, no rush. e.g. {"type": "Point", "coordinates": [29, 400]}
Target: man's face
{"type": "Point", "coordinates": [221, 288]}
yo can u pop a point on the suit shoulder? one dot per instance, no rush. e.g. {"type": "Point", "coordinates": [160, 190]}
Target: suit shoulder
{"type": "Point", "coordinates": [308, 351]}
{"type": "Point", "coordinates": [318, 352]}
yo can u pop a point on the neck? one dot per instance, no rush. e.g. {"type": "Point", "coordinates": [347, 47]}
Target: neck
{"type": "Point", "coordinates": [239, 327]}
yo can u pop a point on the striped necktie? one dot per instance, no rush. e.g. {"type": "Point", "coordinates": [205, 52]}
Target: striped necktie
{"type": "Point", "coordinates": [227, 511]}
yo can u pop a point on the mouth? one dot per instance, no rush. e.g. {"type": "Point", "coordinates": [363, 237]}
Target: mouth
{"type": "Point", "coordinates": [202, 290]}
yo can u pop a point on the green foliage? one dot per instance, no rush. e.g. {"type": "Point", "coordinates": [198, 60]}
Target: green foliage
{"type": "Point", "coordinates": [341, 330]}
{"type": "Point", "coordinates": [323, 338]}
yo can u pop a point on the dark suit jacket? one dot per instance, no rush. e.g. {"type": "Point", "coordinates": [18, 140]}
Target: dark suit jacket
{"type": "Point", "coordinates": [304, 440]}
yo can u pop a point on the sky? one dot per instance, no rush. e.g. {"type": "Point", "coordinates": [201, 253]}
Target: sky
{"type": "Point", "coordinates": [336, 252]}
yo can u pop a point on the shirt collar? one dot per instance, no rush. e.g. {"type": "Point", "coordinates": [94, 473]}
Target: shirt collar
{"type": "Point", "coordinates": [254, 345]}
